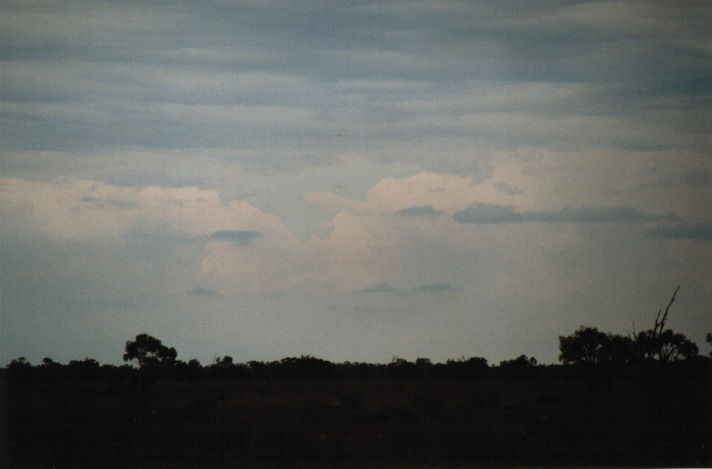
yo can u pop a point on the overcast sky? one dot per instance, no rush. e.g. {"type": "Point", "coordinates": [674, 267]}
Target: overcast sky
{"type": "Point", "coordinates": [353, 180]}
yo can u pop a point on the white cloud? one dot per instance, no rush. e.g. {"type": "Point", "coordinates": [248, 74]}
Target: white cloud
{"type": "Point", "coordinates": [443, 192]}
{"type": "Point", "coordinates": [466, 276]}
{"type": "Point", "coordinates": [84, 209]}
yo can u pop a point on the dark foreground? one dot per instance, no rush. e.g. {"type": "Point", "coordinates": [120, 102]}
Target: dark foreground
{"type": "Point", "coordinates": [332, 423]}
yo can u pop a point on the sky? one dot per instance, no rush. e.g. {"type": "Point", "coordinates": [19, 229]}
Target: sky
{"type": "Point", "coordinates": [352, 180]}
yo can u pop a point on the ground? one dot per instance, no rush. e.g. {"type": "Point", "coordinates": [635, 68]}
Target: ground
{"type": "Point", "coordinates": [332, 423]}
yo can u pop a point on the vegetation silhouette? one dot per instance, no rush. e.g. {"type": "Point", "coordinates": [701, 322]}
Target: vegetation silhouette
{"type": "Point", "coordinates": [149, 352]}
{"type": "Point", "coordinates": [638, 400]}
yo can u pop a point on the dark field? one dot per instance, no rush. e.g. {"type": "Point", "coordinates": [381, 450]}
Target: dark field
{"type": "Point", "coordinates": [326, 423]}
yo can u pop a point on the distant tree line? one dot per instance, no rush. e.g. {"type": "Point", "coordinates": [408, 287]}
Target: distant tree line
{"type": "Point", "coordinates": [586, 352]}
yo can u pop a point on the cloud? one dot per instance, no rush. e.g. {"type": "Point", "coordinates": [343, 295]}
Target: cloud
{"type": "Point", "coordinates": [244, 238]}
{"type": "Point", "coordinates": [380, 288]}
{"type": "Point", "coordinates": [427, 193]}
{"type": "Point", "coordinates": [433, 79]}
{"type": "Point", "coordinates": [622, 214]}
{"type": "Point", "coordinates": [691, 177]}
{"type": "Point", "coordinates": [202, 291]}
{"type": "Point", "coordinates": [135, 169]}
{"type": "Point", "coordinates": [99, 203]}
{"type": "Point", "coordinates": [425, 288]}
{"type": "Point", "coordinates": [435, 288]}
{"type": "Point", "coordinates": [685, 231]}
{"type": "Point", "coordinates": [488, 213]}
{"type": "Point", "coordinates": [422, 211]}
{"type": "Point", "coordinates": [506, 188]}
{"type": "Point", "coordinates": [83, 209]}
{"type": "Point", "coordinates": [454, 280]}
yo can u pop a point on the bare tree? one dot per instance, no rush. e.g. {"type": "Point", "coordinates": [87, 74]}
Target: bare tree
{"type": "Point", "coordinates": [664, 344]}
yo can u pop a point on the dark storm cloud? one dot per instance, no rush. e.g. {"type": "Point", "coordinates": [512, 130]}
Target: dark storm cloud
{"type": "Point", "coordinates": [488, 213]}
{"type": "Point", "coordinates": [420, 211]}
{"type": "Point", "coordinates": [244, 238]}
{"type": "Point", "coordinates": [685, 231]}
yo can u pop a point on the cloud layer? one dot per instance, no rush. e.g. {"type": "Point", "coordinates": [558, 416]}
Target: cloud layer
{"type": "Point", "coordinates": [351, 180]}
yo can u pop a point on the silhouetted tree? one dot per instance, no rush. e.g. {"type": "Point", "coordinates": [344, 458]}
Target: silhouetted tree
{"type": "Point", "coordinates": [19, 362]}
{"type": "Point", "coordinates": [19, 368]}
{"type": "Point", "coordinates": [585, 345]}
{"type": "Point", "coordinates": [152, 357]}
{"type": "Point", "coordinates": [423, 362]}
{"type": "Point", "coordinates": [224, 362]}
{"type": "Point", "coordinates": [521, 361]}
{"type": "Point", "coordinates": [709, 341]}
{"type": "Point", "coordinates": [193, 369]}
{"type": "Point", "coordinates": [149, 352]}
{"type": "Point", "coordinates": [472, 368]}
{"type": "Point", "coordinates": [87, 369]}
{"type": "Point", "coordinates": [193, 363]}
{"type": "Point", "coordinates": [424, 367]}
{"type": "Point", "coordinates": [88, 363]}
{"type": "Point", "coordinates": [226, 368]}
{"type": "Point", "coordinates": [50, 369]}
{"type": "Point", "coordinates": [400, 368]}
{"type": "Point", "coordinates": [618, 349]}
{"type": "Point", "coordinates": [666, 346]}
{"type": "Point", "coordinates": [304, 367]}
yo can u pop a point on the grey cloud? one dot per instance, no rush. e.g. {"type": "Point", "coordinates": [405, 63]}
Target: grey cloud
{"type": "Point", "coordinates": [420, 211]}
{"type": "Point", "coordinates": [225, 95]}
{"type": "Point", "coordinates": [623, 214]}
{"type": "Point", "coordinates": [202, 291]}
{"type": "Point", "coordinates": [244, 238]}
{"type": "Point", "coordinates": [96, 202]}
{"type": "Point", "coordinates": [435, 288]}
{"type": "Point", "coordinates": [135, 87]}
{"type": "Point", "coordinates": [506, 188]}
{"type": "Point", "coordinates": [685, 231]}
{"type": "Point", "coordinates": [690, 177]}
{"type": "Point", "coordinates": [425, 288]}
{"type": "Point", "coordinates": [380, 288]}
{"type": "Point", "coordinates": [488, 213]}
{"type": "Point", "coordinates": [696, 177]}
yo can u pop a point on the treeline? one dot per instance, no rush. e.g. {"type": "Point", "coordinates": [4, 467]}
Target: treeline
{"type": "Point", "coordinates": [312, 368]}
{"type": "Point", "coordinates": [587, 352]}
{"type": "Point", "coordinates": [303, 367]}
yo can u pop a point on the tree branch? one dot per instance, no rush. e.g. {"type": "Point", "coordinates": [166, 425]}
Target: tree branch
{"type": "Point", "coordinates": [662, 321]}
